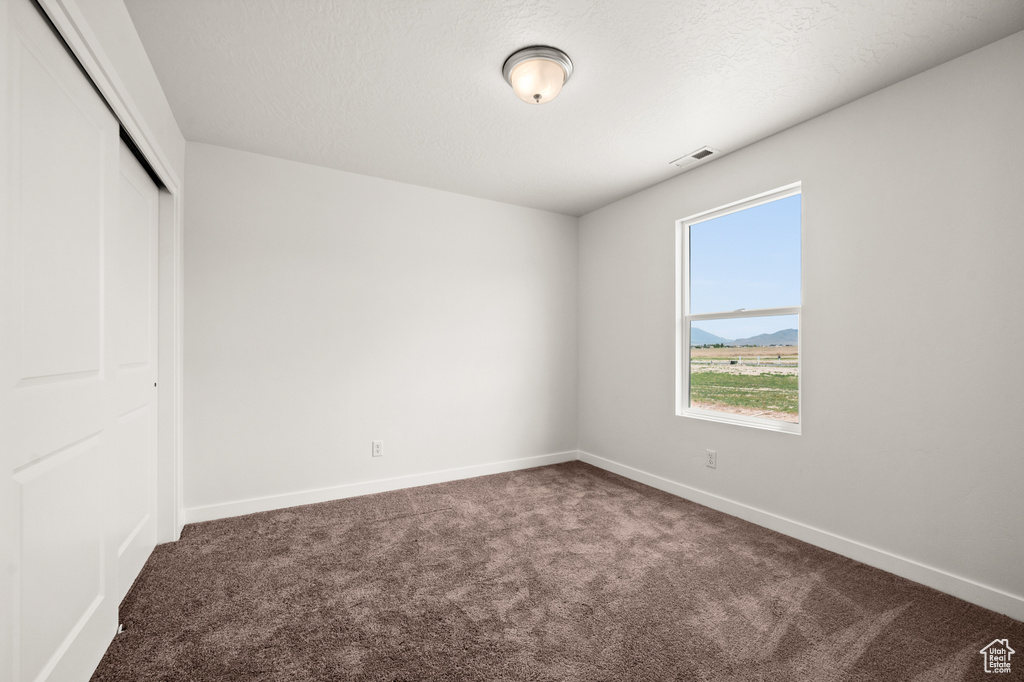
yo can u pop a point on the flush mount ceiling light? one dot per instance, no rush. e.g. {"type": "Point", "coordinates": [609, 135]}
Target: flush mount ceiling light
{"type": "Point", "coordinates": [537, 73]}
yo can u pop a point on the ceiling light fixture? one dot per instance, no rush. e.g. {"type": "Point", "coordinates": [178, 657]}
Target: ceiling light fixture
{"type": "Point", "coordinates": [537, 73]}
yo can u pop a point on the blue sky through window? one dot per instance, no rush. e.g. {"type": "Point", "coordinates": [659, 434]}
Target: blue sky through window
{"type": "Point", "coordinates": [747, 259]}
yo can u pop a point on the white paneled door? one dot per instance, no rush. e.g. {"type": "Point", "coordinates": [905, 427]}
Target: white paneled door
{"type": "Point", "coordinates": [132, 263]}
{"type": "Point", "coordinates": [78, 365]}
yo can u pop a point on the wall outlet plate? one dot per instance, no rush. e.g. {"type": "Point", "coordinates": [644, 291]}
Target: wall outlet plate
{"type": "Point", "coordinates": [378, 448]}
{"type": "Point", "coordinates": [712, 459]}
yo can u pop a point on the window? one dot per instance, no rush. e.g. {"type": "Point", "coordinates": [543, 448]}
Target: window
{"type": "Point", "coordinates": [738, 312]}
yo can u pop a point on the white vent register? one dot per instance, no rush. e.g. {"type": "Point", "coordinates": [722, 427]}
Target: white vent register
{"type": "Point", "coordinates": [696, 156]}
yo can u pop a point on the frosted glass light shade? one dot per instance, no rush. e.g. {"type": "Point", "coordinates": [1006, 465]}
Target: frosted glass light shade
{"type": "Point", "coordinates": [537, 81]}
{"type": "Point", "coordinates": [538, 73]}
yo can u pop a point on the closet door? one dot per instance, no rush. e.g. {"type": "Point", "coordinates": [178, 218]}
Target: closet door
{"type": "Point", "coordinates": [133, 307]}
{"type": "Point", "coordinates": [77, 362]}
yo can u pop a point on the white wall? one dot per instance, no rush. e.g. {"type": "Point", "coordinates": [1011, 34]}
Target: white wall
{"type": "Point", "coordinates": [328, 309]}
{"type": "Point", "coordinates": [912, 375]}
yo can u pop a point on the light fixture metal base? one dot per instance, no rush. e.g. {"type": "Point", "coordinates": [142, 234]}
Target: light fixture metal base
{"type": "Point", "coordinates": [537, 52]}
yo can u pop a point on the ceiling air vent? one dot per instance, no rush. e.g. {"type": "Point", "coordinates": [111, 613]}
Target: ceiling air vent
{"type": "Point", "coordinates": [695, 156]}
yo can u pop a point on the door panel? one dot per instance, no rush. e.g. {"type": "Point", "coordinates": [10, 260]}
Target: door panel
{"type": "Point", "coordinates": [62, 218]}
{"type": "Point", "coordinates": [62, 556]}
{"type": "Point", "coordinates": [61, 185]}
{"type": "Point", "coordinates": [136, 264]}
{"type": "Point", "coordinates": [134, 277]}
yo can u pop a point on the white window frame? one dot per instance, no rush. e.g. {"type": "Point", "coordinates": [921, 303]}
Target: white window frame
{"type": "Point", "coordinates": [684, 318]}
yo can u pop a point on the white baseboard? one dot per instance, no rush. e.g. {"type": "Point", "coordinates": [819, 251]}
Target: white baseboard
{"type": "Point", "coordinates": [964, 588]}
{"type": "Point", "coordinates": [272, 502]}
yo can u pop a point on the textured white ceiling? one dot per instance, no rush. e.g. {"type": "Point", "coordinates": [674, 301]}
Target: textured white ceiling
{"type": "Point", "coordinates": [412, 90]}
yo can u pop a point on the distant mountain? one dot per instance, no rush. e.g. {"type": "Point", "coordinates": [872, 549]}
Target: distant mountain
{"type": "Point", "coordinates": [783, 337]}
{"type": "Point", "coordinates": [699, 337]}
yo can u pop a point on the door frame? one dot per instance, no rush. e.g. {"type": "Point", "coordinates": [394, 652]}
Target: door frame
{"type": "Point", "coordinates": [69, 21]}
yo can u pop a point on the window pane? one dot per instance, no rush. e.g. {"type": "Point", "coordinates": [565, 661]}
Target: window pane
{"type": "Point", "coordinates": [746, 366]}
{"type": "Point", "coordinates": [747, 259]}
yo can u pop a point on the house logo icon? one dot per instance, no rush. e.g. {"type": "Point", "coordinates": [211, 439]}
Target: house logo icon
{"type": "Point", "coordinates": [997, 656]}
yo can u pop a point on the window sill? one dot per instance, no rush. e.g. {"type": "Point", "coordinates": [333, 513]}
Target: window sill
{"type": "Point", "coordinates": [740, 420]}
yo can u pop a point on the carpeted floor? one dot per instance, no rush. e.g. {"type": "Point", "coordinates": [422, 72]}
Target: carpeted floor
{"type": "Point", "coordinates": [564, 572]}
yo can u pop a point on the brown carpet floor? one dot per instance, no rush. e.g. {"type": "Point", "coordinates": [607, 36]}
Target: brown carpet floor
{"type": "Point", "coordinates": [564, 572]}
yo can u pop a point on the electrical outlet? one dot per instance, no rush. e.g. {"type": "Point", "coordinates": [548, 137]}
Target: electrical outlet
{"type": "Point", "coordinates": [712, 459]}
{"type": "Point", "coordinates": [378, 448]}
